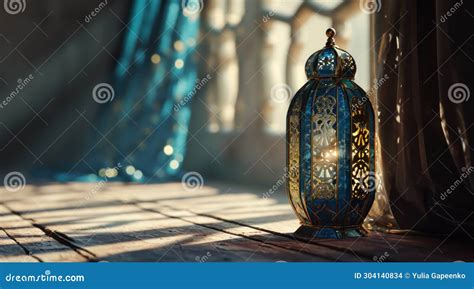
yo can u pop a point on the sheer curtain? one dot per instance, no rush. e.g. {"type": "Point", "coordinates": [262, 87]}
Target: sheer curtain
{"type": "Point", "coordinates": [140, 131]}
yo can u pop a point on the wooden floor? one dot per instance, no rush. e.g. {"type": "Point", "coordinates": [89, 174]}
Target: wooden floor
{"type": "Point", "coordinates": [159, 223]}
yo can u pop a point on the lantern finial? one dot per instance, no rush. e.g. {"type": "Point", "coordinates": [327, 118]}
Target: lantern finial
{"type": "Point", "coordinates": [330, 33]}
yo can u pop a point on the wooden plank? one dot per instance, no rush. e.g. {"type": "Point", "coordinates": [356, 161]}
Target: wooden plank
{"type": "Point", "coordinates": [249, 213]}
{"type": "Point", "coordinates": [312, 251]}
{"type": "Point", "coordinates": [10, 251]}
{"type": "Point", "coordinates": [114, 231]}
{"type": "Point", "coordinates": [34, 240]}
{"type": "Point", "coordinates": [243, 214]}
{"type": "Point", "coordinates": [164, 222]}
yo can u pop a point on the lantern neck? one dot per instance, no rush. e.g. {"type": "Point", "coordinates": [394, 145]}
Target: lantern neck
{"type": "Point", "coordinates": [330, 42]}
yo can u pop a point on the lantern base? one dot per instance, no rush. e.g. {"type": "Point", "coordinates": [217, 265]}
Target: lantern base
{"type": "Point", "coordinates": [310, 233]}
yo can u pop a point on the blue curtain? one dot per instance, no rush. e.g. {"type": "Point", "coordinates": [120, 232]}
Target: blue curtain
{"type": "Point", "coordinates": [142, 124]}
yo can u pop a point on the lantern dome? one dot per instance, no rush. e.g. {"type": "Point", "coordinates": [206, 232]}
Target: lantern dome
{"type": "Point", "coordinates": [331, 61]}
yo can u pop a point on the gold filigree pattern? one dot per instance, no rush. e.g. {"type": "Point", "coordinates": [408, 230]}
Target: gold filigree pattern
{"type": "Point", "coordinates": [348, 62]}
{"type": "Point", "coordinates": [294, 159]}
{"type": "Point", "coordinates": [360, 149]}
{"type": "Point", "coordinates": [326, 61]}
{"type": "Point", "coordinates": [324, 153]}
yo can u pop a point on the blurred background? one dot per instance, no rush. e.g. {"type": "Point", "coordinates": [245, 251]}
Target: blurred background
{"type": "Point", "coordinates": [234, 64]}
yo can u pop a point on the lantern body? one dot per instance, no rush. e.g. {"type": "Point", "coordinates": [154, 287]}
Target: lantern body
{"type": "Point", "coordinates": [330, 153]}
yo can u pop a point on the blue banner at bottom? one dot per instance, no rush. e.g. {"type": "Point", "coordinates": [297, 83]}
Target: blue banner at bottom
{"type": "Point", "coordinates": [236, 275]}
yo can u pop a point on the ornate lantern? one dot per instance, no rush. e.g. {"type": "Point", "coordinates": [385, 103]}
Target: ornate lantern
{"type": "Point", "coordinates": [330, 153]}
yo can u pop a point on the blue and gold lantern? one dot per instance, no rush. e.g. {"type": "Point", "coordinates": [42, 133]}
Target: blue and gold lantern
{"type": "Point", "coordinates": [330, 153]}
